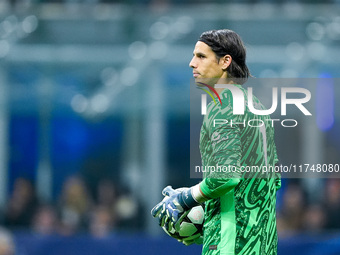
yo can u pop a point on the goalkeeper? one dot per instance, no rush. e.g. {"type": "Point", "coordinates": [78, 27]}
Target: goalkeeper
{"type": "Point", "coordinates": [240, 215]}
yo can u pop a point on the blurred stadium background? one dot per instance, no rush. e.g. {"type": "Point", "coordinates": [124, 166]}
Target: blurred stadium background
{"type": "Point", "coordinates": [94, 118]}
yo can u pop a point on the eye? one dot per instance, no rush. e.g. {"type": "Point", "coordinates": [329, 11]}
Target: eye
{"type": "Point", "coordinates": [200, 56]}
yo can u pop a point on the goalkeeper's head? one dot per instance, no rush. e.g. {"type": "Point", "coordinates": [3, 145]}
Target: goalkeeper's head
{"type": "Point", "coordinates": [230, 53]}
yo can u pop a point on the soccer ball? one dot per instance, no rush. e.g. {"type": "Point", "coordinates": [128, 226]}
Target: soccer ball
{"type": "Point", "coordinates": [190, 225]}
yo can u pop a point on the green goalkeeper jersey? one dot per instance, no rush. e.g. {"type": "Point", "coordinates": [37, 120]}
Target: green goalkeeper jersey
{"type": "Point", "coordinates": [240, 216]}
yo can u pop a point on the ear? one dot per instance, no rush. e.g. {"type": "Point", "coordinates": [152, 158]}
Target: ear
{"type": "Point", "coordinates": [226, 61]}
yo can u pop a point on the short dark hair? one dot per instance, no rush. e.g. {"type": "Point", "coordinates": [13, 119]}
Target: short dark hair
{"type": "Point", "coordinates": [227, 42]}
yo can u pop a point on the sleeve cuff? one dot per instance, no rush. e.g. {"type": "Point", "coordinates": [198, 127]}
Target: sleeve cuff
{"type": "Point", "coordinates": [198, 195]}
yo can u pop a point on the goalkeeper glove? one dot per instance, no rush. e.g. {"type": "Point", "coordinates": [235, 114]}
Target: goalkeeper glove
{"type": "Point", "coordinates": [194, 239]}
{"type": "Point", "coordinates": [171, 209]}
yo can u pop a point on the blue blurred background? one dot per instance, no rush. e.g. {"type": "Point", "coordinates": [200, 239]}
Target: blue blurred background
{"type": "Point", "coordinates": [94, 118]}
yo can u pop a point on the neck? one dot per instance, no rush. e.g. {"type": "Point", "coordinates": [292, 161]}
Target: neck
{"type": "Point", "coordinates": [223, 80]}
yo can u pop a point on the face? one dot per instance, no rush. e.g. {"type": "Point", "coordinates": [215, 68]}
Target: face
{"type": "Point", "coordinates": [205, 64]}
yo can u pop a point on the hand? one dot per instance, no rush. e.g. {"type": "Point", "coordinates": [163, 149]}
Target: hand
{"type": "Point", "coordinates": [194, 239]}
{"type": "Point", "coordinates": [171, 210]}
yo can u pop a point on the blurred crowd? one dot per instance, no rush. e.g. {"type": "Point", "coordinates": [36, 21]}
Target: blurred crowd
{"type": "Point", "coordinates": [301, 211]}
{"type": "Point", "coordinates": [76, 210]}
{"type": "Point", "coordinates": [108, 209]}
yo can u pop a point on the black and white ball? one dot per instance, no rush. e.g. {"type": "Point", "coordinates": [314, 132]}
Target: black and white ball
{"type": "Point", "coordinates": [190, 225]}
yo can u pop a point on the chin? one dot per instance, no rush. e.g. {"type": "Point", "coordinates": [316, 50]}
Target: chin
{"type": "Point", "coordinates": [199, 83]}
{"type": "Point", "coordinates": [209, 81]}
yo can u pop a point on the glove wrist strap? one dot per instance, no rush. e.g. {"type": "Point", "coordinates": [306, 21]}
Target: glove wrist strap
{"type": "Point", "coordinates": [187, 200]}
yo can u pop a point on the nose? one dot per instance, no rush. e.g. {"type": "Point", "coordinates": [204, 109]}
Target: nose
{"type": "Point", "coordinates": [192, 63]}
